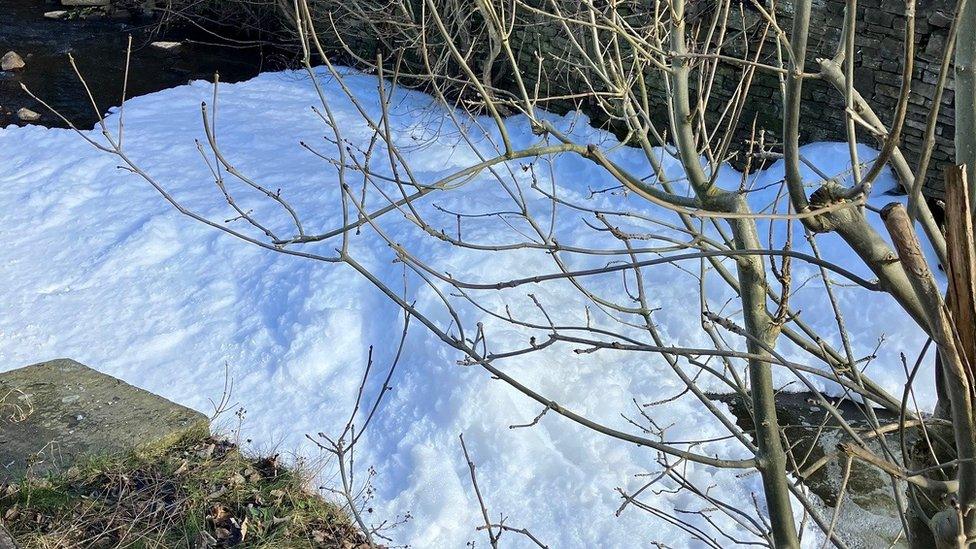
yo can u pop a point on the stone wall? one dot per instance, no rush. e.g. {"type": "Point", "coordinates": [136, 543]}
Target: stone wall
{"type": "Point", "coordinates": [877, 76]}
{"type": "Point", "coordinates": [878, 42]}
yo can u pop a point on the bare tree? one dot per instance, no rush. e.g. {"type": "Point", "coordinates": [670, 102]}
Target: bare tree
{"type": "Point", "coordinates": [632, 57]}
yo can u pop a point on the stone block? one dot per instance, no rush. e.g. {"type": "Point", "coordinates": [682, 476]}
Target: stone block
{"type": "Point", "coordinates": [935, 46]}
{"type": "Point", "coordinates": [85, 3]}
{"type": "Point", "coordinates": [940, 19]}
{"type": "Point", "coordinates": [56, 412]}
{"type": "Point", "coordinates": [878, 17]}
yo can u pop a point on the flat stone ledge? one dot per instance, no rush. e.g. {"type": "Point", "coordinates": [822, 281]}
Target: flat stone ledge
{"type": "Point", "coordinates": [56, 412]}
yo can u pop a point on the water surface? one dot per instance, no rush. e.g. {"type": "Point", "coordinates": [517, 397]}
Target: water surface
{"type": "Point", "coordinates": [99, 48]}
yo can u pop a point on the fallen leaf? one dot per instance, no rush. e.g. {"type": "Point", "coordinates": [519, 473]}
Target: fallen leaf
{"type": "Point", "coordinates": [183, 468]}
{"type": "Point", "coordinates": [220, 514]}
{"type": "Point", "coordinates": [206, 452]}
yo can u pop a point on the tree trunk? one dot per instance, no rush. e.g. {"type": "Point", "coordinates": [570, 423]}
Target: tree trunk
{"type": "Point", "coordinates": [965, 89]}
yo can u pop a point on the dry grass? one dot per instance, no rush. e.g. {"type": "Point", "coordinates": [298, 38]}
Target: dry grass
{"type": "Point", "coordinates": [196, 494]}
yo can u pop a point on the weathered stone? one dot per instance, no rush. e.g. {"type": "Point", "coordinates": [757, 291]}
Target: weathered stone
{"type": "Point", "coordinates": [940, 19]}
{"type": "Point", "coordinates": [869, 514]}
{"type": "Point", "coordinates": [891, 66]}
{"type": "Point", "coordinates": [11, 61]}
{"type": "Point", "coordinates": [911, 131]}
{"type": "Point", "coordinates": [120, 13]}
{"type": "Point", "coordinates": [56, 412]}
{"type": "Point", "coordinates": [935, 46]}
{"type": "Point", "coordinates": [889, 78]}
{"type": "Point", "coordinates": [167, 46]}
{"type": "Point", "coordinates": [6, 540]}
{"type": "Point", "coordinates": [865, 79]}
{"type": "Point", "coordinates": [876, 17]}
{"type": "Point", "coordinates": [28, 115]}
{"type": "Point", "coordinates": [86, 3]}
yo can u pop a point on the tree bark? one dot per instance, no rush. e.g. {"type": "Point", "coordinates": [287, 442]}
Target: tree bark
{"type": "Point", "coordinates": [965, 89]}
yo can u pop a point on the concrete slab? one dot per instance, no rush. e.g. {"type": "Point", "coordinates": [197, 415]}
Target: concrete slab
{"type": "Point", "coordinates": [55, 412]}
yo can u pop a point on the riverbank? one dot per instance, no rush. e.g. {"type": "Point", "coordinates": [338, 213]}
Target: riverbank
{"type": "Point", "coordinates": [201, 492]}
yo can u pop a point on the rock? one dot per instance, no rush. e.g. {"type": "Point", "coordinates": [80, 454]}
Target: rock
{"type": "Point", "coordinates": [120, 13]}
{"type": "Point", "coordinates": [11, 61]}
{"type": "Point", "coordinates": [57, 14]}
{"type": "Point", "coordinates": [85, 3]}
{"type": "Point", "coordinates": [869, 515]}
{"type": "Point", "coordinates": [940, 19]}
{"type": "Point", "coordinates": [56, 412]}
{"type": "Point", "coordinates": [6, 540]}
{"type": "Point", "coordinates": [28, 115]}
{"type": "Point", "coordinates": [167, 46]}
{"type": "Point", "coordinates": [935, 46]}
{"type": "Point", "coordinates": [94, 13]}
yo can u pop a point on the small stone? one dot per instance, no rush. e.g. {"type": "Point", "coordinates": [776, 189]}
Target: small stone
{"type": "Point", "coordinates": [56, 14]}
{"type": "Point", "coordinates": [28, 115]}
{"type": "Point", "coordinates": [11, 61]}
{"type": "Point", "coordinates": [167, 46]}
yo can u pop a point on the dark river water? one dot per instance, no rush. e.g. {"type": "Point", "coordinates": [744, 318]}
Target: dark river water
{"type": "Point", "coordinates": [99, 48]}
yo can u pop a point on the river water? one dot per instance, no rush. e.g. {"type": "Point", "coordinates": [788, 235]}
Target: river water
{"type": "Point", "coordinates": [99, 48]}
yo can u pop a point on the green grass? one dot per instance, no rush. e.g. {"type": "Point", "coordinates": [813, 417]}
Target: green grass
{"type": "Point", "coordinates": [196, 493]}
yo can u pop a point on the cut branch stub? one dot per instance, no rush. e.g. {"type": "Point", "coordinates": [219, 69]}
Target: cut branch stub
{"type": "Point", "coordinates": [910, 254]}
{"type": "Point", "coordinates": [961, 266]}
